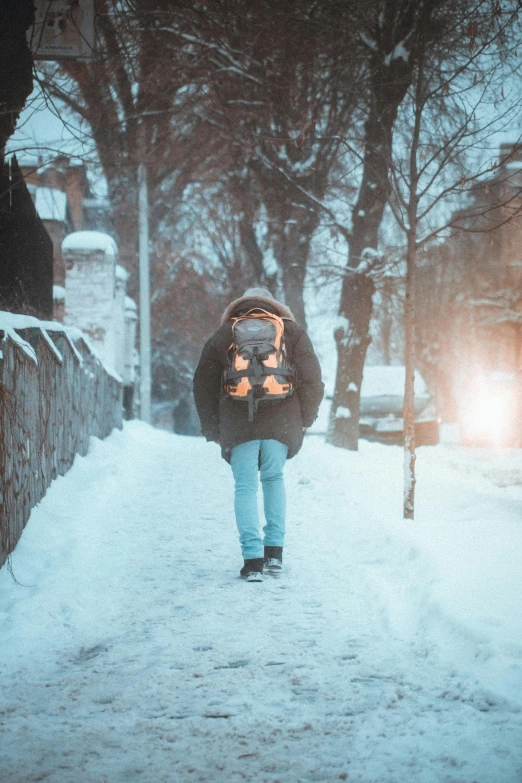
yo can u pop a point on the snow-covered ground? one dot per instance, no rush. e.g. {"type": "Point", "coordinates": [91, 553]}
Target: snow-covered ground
{"type": "Point", "coordinates": [387, 652]}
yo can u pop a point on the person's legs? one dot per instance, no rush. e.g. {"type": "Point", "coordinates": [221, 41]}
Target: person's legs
{"type": "Point", "coordinates": [244, 462]}
{"type": "Point", "coordinates": [273, 458]}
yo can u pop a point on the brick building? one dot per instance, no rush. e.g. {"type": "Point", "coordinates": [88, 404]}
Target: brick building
{"type": "Point", "coordinates": [65, 202]}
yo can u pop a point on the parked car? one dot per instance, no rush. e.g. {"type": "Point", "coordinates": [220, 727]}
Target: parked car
{"type": "Point", "coordinates": [382, 401]}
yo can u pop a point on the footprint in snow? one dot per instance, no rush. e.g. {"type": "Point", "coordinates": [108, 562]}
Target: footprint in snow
{"type": "Point", "coordinates": [234, 664]}
{"type": "Point", "coordinates": [87, 654]}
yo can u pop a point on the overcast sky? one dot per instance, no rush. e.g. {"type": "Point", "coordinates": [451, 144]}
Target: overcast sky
{"type": "Point", "coordinates": [43, 131]}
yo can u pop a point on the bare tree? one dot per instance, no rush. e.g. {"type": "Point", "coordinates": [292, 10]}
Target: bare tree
{"type": "Point", "coordinates": [282, 91]}
{"type": "Point", "coordinates": [446, 31]}
{"type": "Point", "coordinates": [128, 96]}
{"type": "Point", "coordinates": [202, 260]}
{"type": "Point", "coordinates": [390, 37]}
{"type": "Point", "coordinates": [445, 124]}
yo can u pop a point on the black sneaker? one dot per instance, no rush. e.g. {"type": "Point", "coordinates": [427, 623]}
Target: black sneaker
{"type": "Point", "coordinates": [252, 570]}
{"type": "Point", "coordinates": [273, 558]}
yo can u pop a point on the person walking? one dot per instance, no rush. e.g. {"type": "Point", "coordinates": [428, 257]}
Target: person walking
{"type": "Point", "coordinates": [258, 433]}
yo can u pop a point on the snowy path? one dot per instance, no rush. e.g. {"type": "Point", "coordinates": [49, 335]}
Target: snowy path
{"type": "Point", "coordinates": [133, 652]}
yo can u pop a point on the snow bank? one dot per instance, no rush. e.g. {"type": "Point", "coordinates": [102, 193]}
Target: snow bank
{"type": "Point", "coordinates": [387, 651]}
{"type": "Point", "coordinates": [457, 583]}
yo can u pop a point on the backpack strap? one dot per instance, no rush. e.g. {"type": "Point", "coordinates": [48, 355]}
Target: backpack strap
{"type": "Point", "coordinates": [228, 375]}
{"type": "Point", "coordinates": [258, 312]}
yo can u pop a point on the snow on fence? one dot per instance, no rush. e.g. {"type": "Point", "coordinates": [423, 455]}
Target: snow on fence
{"type": "Point", "coordinates": [54, 394]}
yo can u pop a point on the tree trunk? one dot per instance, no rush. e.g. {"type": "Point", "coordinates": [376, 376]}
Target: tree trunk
{"type": "Point", "coordinates": [251, 250]}
{"type": "Point", "coordinates": [387, 302]}
{"type": "Point", "coordinates": [352, 339]}
{"type": "Point", "coordinates": [355, 311]}
{"type": "Point", "coordinates": [293, 260]}
{"type": "Point", "coordinates": [389, 83]}
{"type": "Point", "coordinates": [411, 263]}
{"type": "Point", "coordinates": [16, 65]}
{"type": "Point", "coordinates": [409, 388]}
{"type": "Point", "coordinates": [123, 196]}
{"type": "Point", "coordinates": [293, 219]}
{"type": "Point", "coordinates": [291, 238]}
{"type": "Point", "coordinates": [247, 206]}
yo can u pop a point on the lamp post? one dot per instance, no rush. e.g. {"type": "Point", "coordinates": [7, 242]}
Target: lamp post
{"type": "Point", "coordinates": [144, 284]}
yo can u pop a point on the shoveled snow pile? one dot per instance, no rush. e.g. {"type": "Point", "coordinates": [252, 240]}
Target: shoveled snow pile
{"type": "Point", "coordinates": [386, 652]}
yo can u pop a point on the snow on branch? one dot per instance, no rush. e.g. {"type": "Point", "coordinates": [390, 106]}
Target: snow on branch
{"type": "Point", "coordinates": [399, 53]}
{"type": "Point", "coordinates": [370, 42]}
{"type": "Point", "coordinates": [371, 261]}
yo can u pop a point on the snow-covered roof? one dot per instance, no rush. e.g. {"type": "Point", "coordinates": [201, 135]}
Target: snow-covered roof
{"type": "Point", "coordinates": [90, 240]}
{"type": "Point", "coordinates": [386, 380]}
{"type": "Point", "coordinates": [51, 203]}
{"type": "Point", "coordinates": [29, 162]}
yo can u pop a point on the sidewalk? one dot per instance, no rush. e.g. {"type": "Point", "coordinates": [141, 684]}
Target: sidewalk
{"type": "Point", "coordinates": [132, 651]}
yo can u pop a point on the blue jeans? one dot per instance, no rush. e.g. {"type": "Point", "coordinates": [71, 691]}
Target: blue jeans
{"type": "Point", "coordinates": [269, 457]}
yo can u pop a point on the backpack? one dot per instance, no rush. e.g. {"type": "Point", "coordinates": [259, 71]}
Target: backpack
{"type": "Point", "coordinates": [258, 369]}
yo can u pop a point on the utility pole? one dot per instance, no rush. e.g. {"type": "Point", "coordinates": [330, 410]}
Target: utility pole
{"type": "Point", "coordinates": [144, 280]}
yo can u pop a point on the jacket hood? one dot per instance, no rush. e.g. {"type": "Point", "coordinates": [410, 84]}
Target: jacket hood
{"type": "Point", "coordinates": [257, 297]}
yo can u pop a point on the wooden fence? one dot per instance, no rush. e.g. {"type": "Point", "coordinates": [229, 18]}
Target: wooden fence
{"type": "Point", "coordinates": [54, 394]}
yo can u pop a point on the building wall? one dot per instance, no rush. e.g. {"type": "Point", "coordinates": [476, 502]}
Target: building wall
{"type": "Point", "coordinates": [57, 232]}
{"type": "Point", "coordinates": [69, 179]}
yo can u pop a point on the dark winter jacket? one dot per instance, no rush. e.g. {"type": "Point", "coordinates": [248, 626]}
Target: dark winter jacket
{"type": "Point", "coordinates": [225, 420]}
